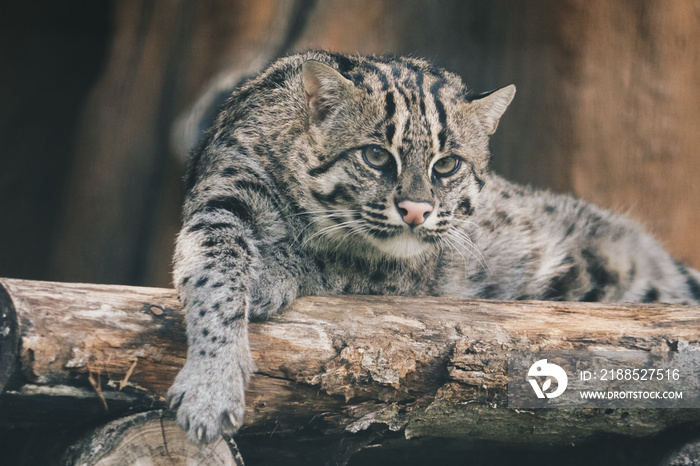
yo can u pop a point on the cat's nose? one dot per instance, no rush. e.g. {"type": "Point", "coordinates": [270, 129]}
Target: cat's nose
{"type": "Point", "coordinates": [414, 213]}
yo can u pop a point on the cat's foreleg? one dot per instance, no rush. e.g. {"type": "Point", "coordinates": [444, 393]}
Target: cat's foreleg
{"type": "Point", "coordinates": [215, 264]}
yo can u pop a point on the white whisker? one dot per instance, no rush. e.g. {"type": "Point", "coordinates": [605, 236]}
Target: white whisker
{"type": "Point", "coordinates": [327, 215]}
{"type": "Point", "coordinates": [462, 238]}
{"type": "Point", "coordinates": [328, 230]}
{"type": "Point", "coordinates": [455, 249]}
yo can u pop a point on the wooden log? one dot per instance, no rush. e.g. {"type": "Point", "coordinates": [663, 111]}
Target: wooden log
{"type": "Point", "coordinates": [426, 367]}
{"type": "Point", "coordinates": [152, 437]}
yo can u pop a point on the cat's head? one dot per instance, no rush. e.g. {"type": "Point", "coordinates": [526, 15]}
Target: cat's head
{"type": "Point", "coordinates": [401, 151]}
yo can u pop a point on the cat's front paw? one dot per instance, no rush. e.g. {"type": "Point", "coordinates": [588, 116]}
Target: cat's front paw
{"type": "Point", "coordinates": [210, 400]}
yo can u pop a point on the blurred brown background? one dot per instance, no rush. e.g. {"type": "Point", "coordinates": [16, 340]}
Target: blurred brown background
{"type": "Point", "coordinates": [608, 107]}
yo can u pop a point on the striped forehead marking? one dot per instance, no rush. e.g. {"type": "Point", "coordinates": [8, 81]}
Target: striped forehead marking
{"type": "Point", "coordinates": [414, 116]}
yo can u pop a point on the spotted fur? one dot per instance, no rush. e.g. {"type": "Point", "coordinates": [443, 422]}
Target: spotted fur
{"type": "Point", "coordinates": [296, 191]}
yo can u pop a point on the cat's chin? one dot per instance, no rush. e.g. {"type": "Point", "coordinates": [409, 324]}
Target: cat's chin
{"type": "Point", "coordinates": [405, 246]}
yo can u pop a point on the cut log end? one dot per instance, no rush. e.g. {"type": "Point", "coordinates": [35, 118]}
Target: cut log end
{"type": "Point", "coordinates": [9, 337]}
{"type": "Point", "coordinates": [148, 438]}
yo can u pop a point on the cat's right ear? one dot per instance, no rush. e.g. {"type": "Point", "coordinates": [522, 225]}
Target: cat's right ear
{"type": "Point", "coordinates": [324, 88]}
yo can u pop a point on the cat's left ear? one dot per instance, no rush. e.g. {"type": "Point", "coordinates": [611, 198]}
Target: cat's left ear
{"type": "Point", "coordinates": [324, 87]}
{"type": "Point", "coordinates": [490, 106]}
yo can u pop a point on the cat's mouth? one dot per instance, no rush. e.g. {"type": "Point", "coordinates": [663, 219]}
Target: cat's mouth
{"type": "Point", "coordinates": [366, 235]}
{"type": "Point", "coordinates": [398, 241]}
{"type": "Point", "coordinates": [402, 246]}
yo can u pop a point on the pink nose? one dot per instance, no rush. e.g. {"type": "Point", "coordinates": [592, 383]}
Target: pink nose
{"type": "Point", "coordinates": [414, 213]}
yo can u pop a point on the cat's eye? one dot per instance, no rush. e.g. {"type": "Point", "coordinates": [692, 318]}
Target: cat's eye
{"type": "Point", "coordinates": [376, 157]}
{"type": "Point", "coordinates": [447, 166]}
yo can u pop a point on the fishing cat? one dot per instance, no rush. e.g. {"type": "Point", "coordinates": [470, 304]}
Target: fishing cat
{"type": "Point", "coordinates": [330, 174]}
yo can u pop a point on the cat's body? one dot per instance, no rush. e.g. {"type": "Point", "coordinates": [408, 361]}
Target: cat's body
{"type": "Point", "coordinates": [329, 174]}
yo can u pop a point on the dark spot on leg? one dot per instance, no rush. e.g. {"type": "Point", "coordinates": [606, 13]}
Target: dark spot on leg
{"type": "Point", "coordinates": [286, 301]}
{"type": "Point", "coordinates": [560, 285]}
{"type": "Point", "coordinates": [210, 226]}
{"type": "Point", "coordinates": [694, 287]}
{"type": "Point", "coordinates": [593, 296]}
{"type": "Point", "coordinates": [261, 302]}
{"type": "Point", "coordinates": [201, 282]}
{"type": "Point", "coordinates": [209, 242]}
{"type": "Point", "coordinates": [600, 277]}
{"type": "Point", "coordinates": [233, 205]}
{"type": "Point", "coordinates": [596, 268]}
{"type": "Point", "coordinates": [233, 319]}
{"type": "Point", "coordinates": [691, 283]}
{"type": "Point", "coordinates": [651, 296]}
{"type": "Point", "coordinates": [570, 230]}
{"type": "Point", "coordinates": [568, 260]}
{"type": "Point", "coordinates": [490, 292]}
{"type": "Point", "coordinates": [240, 241]}
{"type": "Point", "coordinates": [504, 217]}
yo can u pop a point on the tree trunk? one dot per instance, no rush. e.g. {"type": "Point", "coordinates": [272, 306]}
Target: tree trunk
{"type": "Point", "coordinates": [426, 367]}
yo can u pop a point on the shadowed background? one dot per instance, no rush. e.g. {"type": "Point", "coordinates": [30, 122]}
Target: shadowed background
{"type": "Point", "coordinates": [607, 108]}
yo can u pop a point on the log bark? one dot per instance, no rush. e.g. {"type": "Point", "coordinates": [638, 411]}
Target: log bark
{"type": "Point", "coordinates": [425, 367]}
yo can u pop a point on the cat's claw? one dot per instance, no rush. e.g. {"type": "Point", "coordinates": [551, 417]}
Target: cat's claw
{"type": "Point", "coordinates": [232, 420]}
{"type": "Point", "coordinates": [173, 402]}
